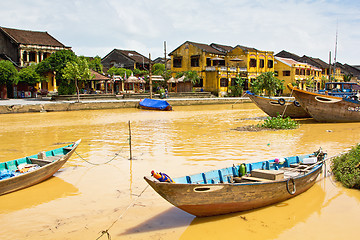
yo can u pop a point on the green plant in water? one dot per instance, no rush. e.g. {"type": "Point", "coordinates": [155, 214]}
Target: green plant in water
{"type": "Point", "coordinates": [346, 168]}
{"type": "Point", "coordinates": [279, 123]}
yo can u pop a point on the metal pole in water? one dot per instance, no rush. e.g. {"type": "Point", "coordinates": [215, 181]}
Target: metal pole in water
{"type": "Point", "coordinates": [130, 141]}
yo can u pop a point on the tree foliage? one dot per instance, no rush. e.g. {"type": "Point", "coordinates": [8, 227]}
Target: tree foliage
{"type": "Point", "coordinates": [77, 71]}
{"type": "Point", "coordinates": [238, 88]}
{"type": "Point", "coordinates": [266, 82]}
{"type": "Point", "coordinates": [159, 69]}
{"type": "Point", "coordinates": [8, 73]}
{"type": "Point", "coordinates": [30, 76]}
{"type": "Point", "coordinates": [119, 71]}
{"type": "Point", "coordinates": [189, 76]}
{"type": "Point", "coordinates": [95, 64]}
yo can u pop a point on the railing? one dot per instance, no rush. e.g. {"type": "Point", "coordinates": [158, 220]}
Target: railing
{"type": "Point", "coordinates": [224, 69]}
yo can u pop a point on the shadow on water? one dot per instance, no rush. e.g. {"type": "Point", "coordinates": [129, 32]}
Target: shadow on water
{"type": "Point", "coordinates": [38, 194]}
{"type": "Point", "coordinates": [264, 217]}
{"type": "Point", "coordinates": [168, 219]}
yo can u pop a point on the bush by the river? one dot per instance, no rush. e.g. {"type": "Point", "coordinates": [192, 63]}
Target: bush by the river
{"type": "Point", "coordinates": [346, 168]}
{"type": "Point", "coordinates": [279, 123]}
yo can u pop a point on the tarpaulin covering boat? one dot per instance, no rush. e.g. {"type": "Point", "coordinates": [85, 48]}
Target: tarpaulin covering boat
{"type": "Point", "coordinates": [154, 104]}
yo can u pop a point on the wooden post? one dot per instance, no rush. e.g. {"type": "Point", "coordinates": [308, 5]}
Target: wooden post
{"type": "Point", "coordinates": [150, 82]}
{"type": "Point", "coordinates": [130, 141]}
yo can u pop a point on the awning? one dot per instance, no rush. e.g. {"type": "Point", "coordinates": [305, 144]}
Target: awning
{"type": "Point", "coordinates": [216, 59]}
{"type": "Point", "coordinates": [131, 79]}
{"type": "Point", "coordinates": [157, 78]}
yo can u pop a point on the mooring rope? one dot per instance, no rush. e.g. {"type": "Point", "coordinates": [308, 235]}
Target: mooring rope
{"type": "Point", "coordinates": [287, 105]}
{"type": "Point", "coordinates": [130, 205]}
{"type": "Point", "coordinates": [116, 154]}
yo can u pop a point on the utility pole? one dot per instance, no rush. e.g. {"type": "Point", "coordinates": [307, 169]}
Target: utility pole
{"type": "Point", "coordinates": [165, 55]}
{"type": "Point", "coordinates": [150, 82]}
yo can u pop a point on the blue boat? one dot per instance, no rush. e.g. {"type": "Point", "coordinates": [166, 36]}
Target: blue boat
{"type": "Point", "coordinates": [154, 104]}
{"type": "Point", "coordinates": [341, 89]}
{"type": "Point", "coordinates": [27, 171]}
{"type": "Point", "coordinates": [241, 187]}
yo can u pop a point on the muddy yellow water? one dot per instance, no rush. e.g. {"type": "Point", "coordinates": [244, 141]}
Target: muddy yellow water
{"type": "Point", "coordinates": [88, 196]}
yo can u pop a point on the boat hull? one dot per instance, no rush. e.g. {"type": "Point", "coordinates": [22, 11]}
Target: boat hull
{"type": "Point", "coordinates": [215, 199]}
{"type": "Point", "coordinates": [325, 108]}
{"type": "Point", "coordinates": [31, 178]}
{"type": "Point", "coordinates": [273, 108]}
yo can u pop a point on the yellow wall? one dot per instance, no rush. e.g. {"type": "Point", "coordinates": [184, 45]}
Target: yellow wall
{"type": "Point", "coordinates": [211, 75]}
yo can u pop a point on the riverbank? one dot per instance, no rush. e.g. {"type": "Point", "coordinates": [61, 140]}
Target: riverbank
{"type": "Point", "coordinates": [48, 105]}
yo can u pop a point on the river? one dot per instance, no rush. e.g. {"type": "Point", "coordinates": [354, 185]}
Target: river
{"type": "Point", "coordinates": [88, 196]}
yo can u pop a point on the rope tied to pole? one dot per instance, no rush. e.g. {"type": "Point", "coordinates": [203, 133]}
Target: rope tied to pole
{"type": "Point", "coordinates": [128, 207]}
{"type": "Point", "coordinates": [97, 164]}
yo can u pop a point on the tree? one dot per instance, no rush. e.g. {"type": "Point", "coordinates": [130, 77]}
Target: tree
{"type": "Point", "coordinates": [29, 75]}
{"type": "Point", "coordinates": [55, 64]}
{"type": "Point", "coordinates": [119, 71]}
{"type": "Point", "coordinates": [77, 71]}
{"type": "Point", "coordinates": [189, 76]}
{"type": "Point", "coordinates": [347, 77]}
{"type": "Point", "coordinates": [268, 82]}
{"type": "Point", "coordinates": [238, 88]}
{"type": "Point", "coordinates": [159, 69]}
{"type": "Point", "coordinates": [8, 75]}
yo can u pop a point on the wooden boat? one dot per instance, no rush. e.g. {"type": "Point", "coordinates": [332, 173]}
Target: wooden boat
{"type": "Point", "coordinates": [155, 104]}
{"type": "Point", "coordinates": [274, 107]}
{"type": "Point", "coordinates": [326, 108]}
{"type": "Point", "coordinates": [234, 189]}
{"type": "Point", "coordinates": [27, 171]}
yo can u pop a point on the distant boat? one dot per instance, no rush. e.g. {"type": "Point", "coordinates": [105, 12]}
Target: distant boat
{"type": "Point", "coordinates": [274, 107]}
{"type": "Point", "coordinates": [154, 104]}
{"type": "Point", "coordinates": [326, 108]}
{"type": "Point", "coordinates": [242, 187]}
{"type": "Point", "coordinates": [27, 171]}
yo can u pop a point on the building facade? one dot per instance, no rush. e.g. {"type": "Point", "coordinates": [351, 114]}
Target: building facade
{"type": "Point", "coordinates": [218, 66]}
{"type": "Point", "coordinates": [125, 59]}
{"type": "Point", "coordinates": [23, 47]}
{"type": "Point", "coordinates": [298, 73]}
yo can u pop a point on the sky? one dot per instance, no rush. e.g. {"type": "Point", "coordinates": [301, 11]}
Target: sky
{"type": "Point", "coordinates": [96, 27]}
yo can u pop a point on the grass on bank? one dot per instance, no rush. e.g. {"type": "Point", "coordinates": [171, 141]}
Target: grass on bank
{"type": "Point", "coordinates": [346, 168]}
{"type": "Point", "coordinates": [279, 123]}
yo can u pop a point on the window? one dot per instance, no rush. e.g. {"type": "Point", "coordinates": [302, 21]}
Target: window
{"type": "Point", "coordinates": [276, 73]}
{"type": "Point", "coordinates": [25, 56]}
{"type": "Point", "coordinates": [297, 71]}
{"type": "Point", "coordinates": [261, 63]}
{"type": "Point", "coordinates": [195, 61]}
{"type": "Point", "coordinates": [208, 62]}
{"type": "Point", "coordinates": [224, 82]}
{"type": "Point", "coordinates": [302, 71]}
{"type": "Point", "coordinates": [252, 62]}
{"type": "Point", "coordinates": [177, 62]}
{"type": "Point", "coordinates": [286, 73]}
{"type": "Point", "coordinates": [270, 63]}
{"type": "Point", "coordinates": [32, 57]}
{"type": "Point", "coordinates": [307, 71]}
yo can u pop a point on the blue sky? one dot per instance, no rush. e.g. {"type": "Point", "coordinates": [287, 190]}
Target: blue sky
{"type": "Point", "coordinates": [95, 27]}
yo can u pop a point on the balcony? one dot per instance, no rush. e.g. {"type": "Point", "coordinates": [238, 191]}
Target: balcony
{"type": "Point", "coordinates": [224, 69]}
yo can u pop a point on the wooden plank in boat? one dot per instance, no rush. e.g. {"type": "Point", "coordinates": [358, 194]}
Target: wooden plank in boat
{"type": "Point", "coordinates": [268, 174]}
{"type": "Point", "coordinates": [255, 179]}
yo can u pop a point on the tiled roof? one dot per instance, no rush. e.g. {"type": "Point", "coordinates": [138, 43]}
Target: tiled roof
{"type": "Point", "coordinates": [98, 76]}
{"type": "Point", "coordinates": [206, 48]}
{"type": "Point", "coordinates": [285, 54]}
{"type": "Point", "coordinates": [222, 48]}
{"type": "Point", "coordinates": [134, 55]}
{"type": "Point", "coordinates": [31, 37]}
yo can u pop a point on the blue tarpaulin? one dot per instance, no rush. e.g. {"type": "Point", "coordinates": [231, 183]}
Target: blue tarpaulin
{"type": "Point", "coordinates": [154, 104]}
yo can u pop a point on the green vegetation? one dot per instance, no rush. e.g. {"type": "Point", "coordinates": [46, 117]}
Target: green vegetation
{"type": "Point", "coordinates": [238, 88]}
{"type": "Point", "coordinates": [30, 76]}
{"type": "Point", "coordinates": [346, 168]}
{"type": "Point", "coordinates": [279, 123]}
{"type": "Point", "coordinates": [8, 73]}
{"type": "Point", "coordinates": [266, 82]}
{"type": "Point", "coordinates": [189, 76]}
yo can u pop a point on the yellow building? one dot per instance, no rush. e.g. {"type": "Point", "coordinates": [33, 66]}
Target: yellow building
{"type": "Point", "coordinates": [295, 72]}
{"type": "Point", "coordinates": [219, 65]}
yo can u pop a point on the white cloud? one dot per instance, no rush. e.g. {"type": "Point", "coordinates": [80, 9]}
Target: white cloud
{"type": "Point", "coordinates": [96, 27]}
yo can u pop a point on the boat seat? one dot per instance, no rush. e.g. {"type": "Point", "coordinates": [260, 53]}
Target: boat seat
{"type": "Point", "coordinates": [68, 148]}
{"type": "Point", "coordinates": [255, 179]}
